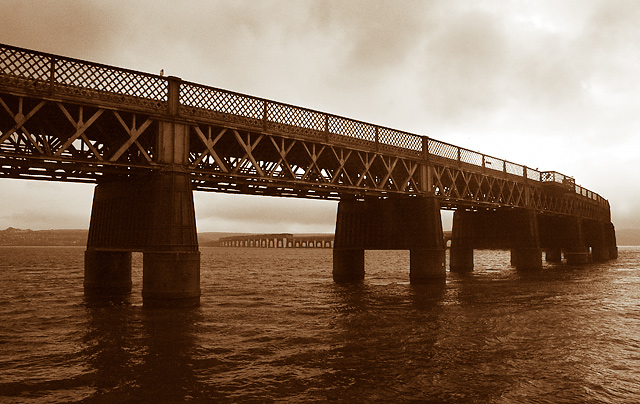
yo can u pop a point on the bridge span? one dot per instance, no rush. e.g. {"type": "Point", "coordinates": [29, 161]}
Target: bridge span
{"type": "Point", "coordinates": [148, 141]}
{"type": "Point", "coordinates": [281, 240]}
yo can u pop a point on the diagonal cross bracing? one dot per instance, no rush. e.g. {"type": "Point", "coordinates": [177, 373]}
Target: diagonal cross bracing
{"type": "Point", "coordinates": [103, 119]}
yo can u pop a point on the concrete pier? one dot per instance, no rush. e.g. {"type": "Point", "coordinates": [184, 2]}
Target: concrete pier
{"type": "Point", "coordinates": [526, 259]}
{"type": "Point", "coordinates": [171, 279]}
{"type": "Point", "coordinates": [153, 215]}
{"type": "Point", "coordinates": [578, 256]}
{"type": "Point", "coordinates": [611, 240]}
{"type": "Point", "coordinates": [171, 260]}
{"type": "Point", "coordinates": [461, 251]}
{"type": "Point", "coordinates": [577, 251]}
{"type": "Point", "coordinates": [504, 228]}
{"type": "Point", "coordinates": [427, 266]}
{"type": "Point", "coordinates": [582, 240]}
{"type": "Point", "coordinates": [599, 242]}
{"type": "Point", "coordinates": [348, 265]}
{"type": "Point", "coordinates": [553, 254]}
{"type": "Point", "coordinates": [460, 259]}
{"type": "Point", "coordinates": [107, 273]}
{"type": "Point", "coordinates": [404, 223]}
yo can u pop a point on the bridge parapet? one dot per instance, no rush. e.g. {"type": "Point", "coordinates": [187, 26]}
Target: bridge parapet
{"type": "Point", "coordinates": [67, 77]}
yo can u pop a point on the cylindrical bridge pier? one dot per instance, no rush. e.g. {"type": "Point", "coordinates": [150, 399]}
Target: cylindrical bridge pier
{"type": "Point", "coordinates": [154, 215]}
{"type": "Point", "coordinates": [526, 233]}
{"type": "Point", "coordinates": [505, 228]}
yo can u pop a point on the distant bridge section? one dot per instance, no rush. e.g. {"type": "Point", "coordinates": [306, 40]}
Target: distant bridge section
{"type": "Point", "coordinates": [148, 141]}
{"type": "Point", "coordinates": [280, 240]}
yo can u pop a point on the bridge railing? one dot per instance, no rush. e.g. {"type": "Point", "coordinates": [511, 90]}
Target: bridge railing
{"type": "Point", "coordinates": [58, 75]}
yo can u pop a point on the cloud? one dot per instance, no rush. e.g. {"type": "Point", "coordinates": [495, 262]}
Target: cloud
{"type": "Point", "coordinates": [40, 205]}
{"type": "Point", "coordinates": [374, 36]}
{"type": "Point", "coordinates": [547, 84]}
{"type": "Point", "coordinates": [269, 214]}
{"type": "Point", "coordinates": [60, 26]}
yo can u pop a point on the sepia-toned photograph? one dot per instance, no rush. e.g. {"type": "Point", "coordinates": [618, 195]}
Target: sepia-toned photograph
{"type": "Point", "coordinates": [320, 201]}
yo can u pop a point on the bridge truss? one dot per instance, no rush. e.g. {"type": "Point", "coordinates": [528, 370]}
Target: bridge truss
{"type": "Point", "coordinates": [64, 119]}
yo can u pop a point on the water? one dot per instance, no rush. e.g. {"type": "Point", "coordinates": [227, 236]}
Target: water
{"type": "Point", "coordinates": [273, 327]}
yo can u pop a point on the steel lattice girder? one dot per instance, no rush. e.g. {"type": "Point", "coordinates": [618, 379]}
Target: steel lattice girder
{"type": "Point", "coordinates": [81, 140]}
{"type": "Point", "coordinates": [297, 163]}
{"type": "Point", "coordinates": [65, 141]}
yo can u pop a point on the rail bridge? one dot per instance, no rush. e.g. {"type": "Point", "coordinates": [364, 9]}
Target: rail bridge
{"type": "Point", "coordinates": [148, 141]}
{"type": "Point", "coordinates": [281, 240]}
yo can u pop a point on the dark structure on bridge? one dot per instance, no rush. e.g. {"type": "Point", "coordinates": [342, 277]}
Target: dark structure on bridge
{"type": "Point", "coordinates": [148, 141]}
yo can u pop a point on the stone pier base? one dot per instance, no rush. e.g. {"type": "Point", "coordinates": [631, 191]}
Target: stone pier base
{"type": "Point", "coordinates": [461, 259]}
{"type": "Point", "coordinates": [348, 265]}
{"type": "Point", "coordinates": [171, 279]}
{"type": "Point", "coordinates": [154, 215]}
{"type": "Point", "coordinates": [553, 255]}
{"type": "Point", "coordinates": [527, 259]}
{"type": "Point", "coordinates": [107, 273]}
{"type": "Point", "coordinates": [403, 223]}
{"type": "Point", "coordinates": [577, 256]}
{"type": "Point", "coordinates": [427, 266]}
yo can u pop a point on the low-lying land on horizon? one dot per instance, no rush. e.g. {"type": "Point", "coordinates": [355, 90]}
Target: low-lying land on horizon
{"type": "Point", "coordinates": [78, 237]}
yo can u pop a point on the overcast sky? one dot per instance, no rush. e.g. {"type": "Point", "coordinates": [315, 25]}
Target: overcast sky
{"type": "Point", "coordinates": [548, 84]}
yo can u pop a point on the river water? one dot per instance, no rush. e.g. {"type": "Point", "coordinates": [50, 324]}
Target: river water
{"type": "Point", "coordinates": [273, 327]}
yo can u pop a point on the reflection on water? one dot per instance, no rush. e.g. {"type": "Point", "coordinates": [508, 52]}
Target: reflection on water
{"type": "Point", "coordinates": [137, 354]}
{"type": "Point", "coordinates": [274, 327]}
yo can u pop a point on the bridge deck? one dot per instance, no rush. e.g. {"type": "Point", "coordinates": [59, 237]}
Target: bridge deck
{"type": "Point", "coordinates": [65, 119]}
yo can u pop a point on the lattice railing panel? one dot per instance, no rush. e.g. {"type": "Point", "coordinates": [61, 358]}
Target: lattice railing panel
{"type": "Point", "coordinates": [400, 139]}
{"type": "Point", "coordinates": [470, 157]}
{"type": "Point", "coordinates": [19, 67]}
{"type": "Point", "coordinates": [221, 105]}
{"type": "Point", "coordinates": [515, 169]}
{"type": "Point", "coordinates": [442, 149]}
{"type": "Point", "coordinates": [282, 116]}
{"type": "Point", "coordinates": [221, 101]}
{"type": "Point", "coordinates": [494, 163]}
{"type": "Point", "coordinates": [82, 76]}
{"type": "Point", "coordinates": [351, 128]}
{"type": "Point", "coordinates": [533, 174]}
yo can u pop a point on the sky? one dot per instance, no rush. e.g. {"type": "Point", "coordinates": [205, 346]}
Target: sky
{"type": "Point", "coordinates": [553, 84]}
